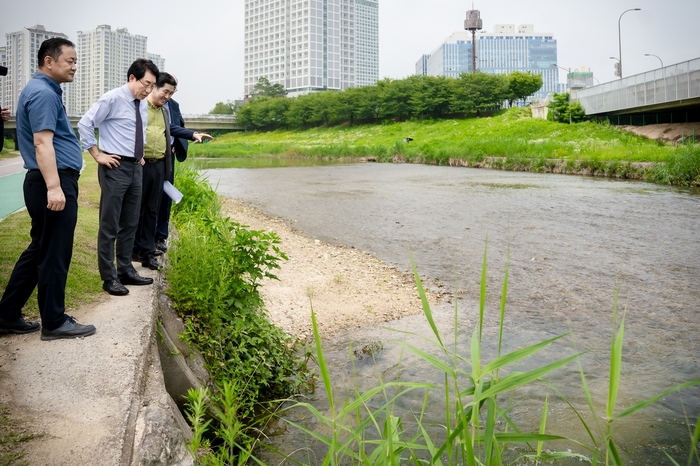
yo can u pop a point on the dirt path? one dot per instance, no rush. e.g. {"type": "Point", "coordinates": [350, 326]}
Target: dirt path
{"type": "Point", "coordinates": [347, 287]}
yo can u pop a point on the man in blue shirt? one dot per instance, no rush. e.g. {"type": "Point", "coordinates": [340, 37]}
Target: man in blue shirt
{"type": "Point", "coordinates": [121, 117]}
{"type": "Point", "coordinates": [53, 159]}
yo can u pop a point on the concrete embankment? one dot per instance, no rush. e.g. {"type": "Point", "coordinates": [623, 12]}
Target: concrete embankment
{"type": "Point", "coordinates": [101, 399]}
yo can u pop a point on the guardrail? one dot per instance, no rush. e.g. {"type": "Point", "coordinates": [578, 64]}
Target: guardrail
{"type": "Point", "coordinates": [661, 87]}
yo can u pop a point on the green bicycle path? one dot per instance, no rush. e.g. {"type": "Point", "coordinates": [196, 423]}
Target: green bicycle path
{"type": "Point", "coordinates": [11, 193]}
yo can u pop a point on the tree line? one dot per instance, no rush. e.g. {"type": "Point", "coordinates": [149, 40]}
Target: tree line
{"type": "Point", "coordinates": [389, 99]}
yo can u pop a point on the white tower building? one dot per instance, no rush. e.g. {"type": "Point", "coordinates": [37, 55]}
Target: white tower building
{"type": "Point", "coordinates": [310, 45]}
{"type": "Point", "coordinates": [104, 56]}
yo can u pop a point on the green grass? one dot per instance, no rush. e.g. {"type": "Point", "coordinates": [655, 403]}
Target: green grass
{"type": "Point", "coordinates": [512, 134]}
{"type": "Point", "coordinates": [8, 150]}
{"type": "Point", "coordinates": [13, 438]}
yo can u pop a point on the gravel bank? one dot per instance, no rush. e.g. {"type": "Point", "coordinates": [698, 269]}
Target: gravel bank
{"type": "Point", "coordinates": [348, 288]}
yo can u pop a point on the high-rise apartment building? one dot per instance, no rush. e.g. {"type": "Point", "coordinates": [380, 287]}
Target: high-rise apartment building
{"type": "Point", "coordinates": [157, 60]}
{"type": "Point", "coordinates": [501, 52]}
{"type": "Point", "coordinates": [366, 42]}
{"type": "Point", "coordinates": [104, 56]}
{"type": "Point", "coordinates": [311, 45]}
{"type": "Point", "coordinates": [21, 55]}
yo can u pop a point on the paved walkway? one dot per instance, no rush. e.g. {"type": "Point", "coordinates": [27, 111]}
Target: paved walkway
{"type": "Point", "coordinates": [11, 181]}
{"type": "Point", "coordinates": [98, 400]}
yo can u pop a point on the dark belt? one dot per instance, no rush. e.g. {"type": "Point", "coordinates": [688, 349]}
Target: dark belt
{"type": "Point", "coordinates": [61, 171]}
{"type": "Point", "coordinates": [70, 172]}
{"type": "Point", "coordinates": [121, 157]}
{"type": "Point", "coordinates": [152, 160]}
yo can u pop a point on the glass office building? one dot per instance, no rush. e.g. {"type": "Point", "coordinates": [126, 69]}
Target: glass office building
{"type": "Point", "coordinates": [500, 52]}
{"type": "Point", "coordinates": [452, 57]}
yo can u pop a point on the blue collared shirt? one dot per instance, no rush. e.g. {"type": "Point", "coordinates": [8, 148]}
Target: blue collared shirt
{"type": "Point", "coordinates": [114, 115]}
{"type": "Point", "coordinates": [40, 108]}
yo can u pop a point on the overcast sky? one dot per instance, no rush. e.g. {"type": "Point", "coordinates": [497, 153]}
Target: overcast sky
{"type": "Point", "coordinates": [202, 40]}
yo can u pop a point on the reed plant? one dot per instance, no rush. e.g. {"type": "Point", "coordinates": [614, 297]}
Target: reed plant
{"type": "Point", "coordinates": [477, 426]}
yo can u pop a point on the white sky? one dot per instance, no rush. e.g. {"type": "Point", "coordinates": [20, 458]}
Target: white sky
{"type": "Point", "coordinates": [202, 40]}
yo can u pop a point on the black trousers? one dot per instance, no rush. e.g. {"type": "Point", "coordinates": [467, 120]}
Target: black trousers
{"type": "Point", "coordinates": [164, 210]}
{"type": "Point", "coordinates": [151, 193]}
{"type": "Point", "coordinates": [46, 260]}
{"type": "Point", "coordinates": [120, 202]}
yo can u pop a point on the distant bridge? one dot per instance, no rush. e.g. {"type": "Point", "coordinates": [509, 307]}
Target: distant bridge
{"type": "Point", "coordinates": [204, 123]}
{"type": "Point", "coordinates": [670, 94]}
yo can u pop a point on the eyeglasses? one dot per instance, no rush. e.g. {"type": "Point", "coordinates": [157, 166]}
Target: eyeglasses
{"type": "Point", "coordinates": [148, 87]}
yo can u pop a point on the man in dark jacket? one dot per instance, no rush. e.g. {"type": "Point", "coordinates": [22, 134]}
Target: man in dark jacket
{"type": "Point", "coordinates": [179, 150]}
{"type": "Point", "coordinates": [4, 114]}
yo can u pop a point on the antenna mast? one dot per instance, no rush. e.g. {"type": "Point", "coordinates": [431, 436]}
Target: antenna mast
{"type": "Point", "coordinates": [473, 23]}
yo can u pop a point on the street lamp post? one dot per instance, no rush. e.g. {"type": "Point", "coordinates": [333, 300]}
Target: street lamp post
{"type": "Point", "coordinates": [652, 55]}
{"type": "Point", "coordinates": [567, 81]}
{"type": "Point", "coordinates": [619, 36]}
{"type": "Point", "coordinates": [663, 72]}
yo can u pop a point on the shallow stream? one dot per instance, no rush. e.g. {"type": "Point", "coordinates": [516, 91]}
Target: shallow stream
{"type": "Point", "coordinates": [570, 241]}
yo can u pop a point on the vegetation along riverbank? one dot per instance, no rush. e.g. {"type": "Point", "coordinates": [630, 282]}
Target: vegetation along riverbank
{"type": "Point", "coordinates": [510, 140]}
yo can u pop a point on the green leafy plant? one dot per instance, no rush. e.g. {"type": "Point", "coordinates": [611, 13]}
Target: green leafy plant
{"type": "Point", "coordinates": [215, 269]}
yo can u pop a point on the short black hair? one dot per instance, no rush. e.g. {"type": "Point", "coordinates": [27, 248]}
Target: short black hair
{"type": "Point", "coordinates": [52, 48]}
{"type": "Point", "coordinates": [139, 67]}
{"type": "Point", "coordinates": [166, 78]}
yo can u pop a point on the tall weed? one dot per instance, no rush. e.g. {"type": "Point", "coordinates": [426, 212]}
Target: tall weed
{"type": "Point", "coordinates": [682, 168]}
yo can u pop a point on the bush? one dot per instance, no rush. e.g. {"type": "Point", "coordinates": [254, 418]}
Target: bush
{"type": "Point", "coordinates": [215, 269]}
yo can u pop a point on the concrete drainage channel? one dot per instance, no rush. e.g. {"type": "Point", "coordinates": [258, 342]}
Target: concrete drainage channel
{"type": "Point", "coordinates": [159, 433]}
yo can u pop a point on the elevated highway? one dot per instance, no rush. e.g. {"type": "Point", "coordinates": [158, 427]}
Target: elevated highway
{"type": "Point", "coordinates": [666, 95]}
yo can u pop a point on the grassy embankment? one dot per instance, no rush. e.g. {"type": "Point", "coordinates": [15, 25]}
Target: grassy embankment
{"type": "Point", "coordinates": [510, 141]}
{"type": "Point", "coordinates": [84, 284]}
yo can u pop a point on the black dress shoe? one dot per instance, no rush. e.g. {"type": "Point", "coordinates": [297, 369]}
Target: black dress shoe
{"type": "Point", "coordinates": [151, 263]}
{"type": "Point", "coordinates": [158, 252]}
{"type": "Point", "coordinates": [18, 326]}
{"type": "Point", "coordinates": [161, 246]}
{"type": "Point", "coordinates": [69, 329]}
{"type": "Point", "coordinates": [133, 278]}
{"type": "Point", "coordinates": [115, 288]}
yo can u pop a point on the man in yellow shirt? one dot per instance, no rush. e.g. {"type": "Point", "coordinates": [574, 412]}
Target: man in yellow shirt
{"type": "Point", "coordinates": [156, 169]}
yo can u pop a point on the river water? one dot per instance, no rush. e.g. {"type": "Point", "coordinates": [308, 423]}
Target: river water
{"type": "Point", "coordinates": [570, 242]}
